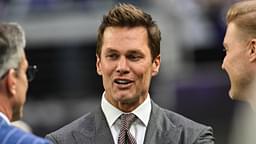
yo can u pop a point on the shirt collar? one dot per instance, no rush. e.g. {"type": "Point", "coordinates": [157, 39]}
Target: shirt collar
{"type": "Point", "coordinates": [5, 118]}
{"type": "Point", "coordinates": [143, 111]}
{"type": "Point", "coordinates": [112, 113]}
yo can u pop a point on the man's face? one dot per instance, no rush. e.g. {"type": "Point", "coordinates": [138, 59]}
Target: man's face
{"type": "Point", "coordinates": [126, 66]}
{"type": "Point", "coordinates": [236, 62]}
{"type": "Point", "coordinates": [21, 89]}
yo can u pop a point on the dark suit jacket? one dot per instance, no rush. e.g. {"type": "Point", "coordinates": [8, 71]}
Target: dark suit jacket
{"type": "Point", "coordinates": [165, 127]}
{"type": "Point", "coordinates": [12, 135]}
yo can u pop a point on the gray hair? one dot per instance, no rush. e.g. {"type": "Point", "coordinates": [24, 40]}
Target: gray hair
{"type": "Point", "coordinates": [12, 44]}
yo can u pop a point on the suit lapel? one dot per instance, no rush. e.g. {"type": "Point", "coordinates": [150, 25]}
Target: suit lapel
{"type": "Point", "coordinates": [103, 133]}
{"type": "Point", "coordinates": [160, 129]}
{"type": "Point", "coordinates": [95, 130]}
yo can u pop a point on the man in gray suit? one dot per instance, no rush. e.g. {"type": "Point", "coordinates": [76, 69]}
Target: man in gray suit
{"type": "Point", "coordinates": [128, 55]}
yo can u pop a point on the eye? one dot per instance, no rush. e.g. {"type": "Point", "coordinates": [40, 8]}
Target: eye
{"type": "Point", "coordinates": [31, 72]}
{"type": "Point", "coordinates": [134, 57]}
{"type": "Point", "coordinates": [112, 56]}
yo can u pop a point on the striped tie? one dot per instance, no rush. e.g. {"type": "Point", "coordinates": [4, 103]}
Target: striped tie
{"type": "Point", "coordinates": [125, 137]}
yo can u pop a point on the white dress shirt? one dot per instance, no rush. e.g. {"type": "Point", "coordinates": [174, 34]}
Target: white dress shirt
{"type": "Point", "coordinates": [5, 118]}
{"type": "Point", "coordinates": [138, 127]}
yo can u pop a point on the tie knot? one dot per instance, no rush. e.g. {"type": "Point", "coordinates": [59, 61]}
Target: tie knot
{"type": "Point", "coordinates": [127, 120]}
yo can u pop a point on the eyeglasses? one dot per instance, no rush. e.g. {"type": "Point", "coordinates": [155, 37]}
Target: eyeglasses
{"type": "Point", "coordinates": [31, 72]}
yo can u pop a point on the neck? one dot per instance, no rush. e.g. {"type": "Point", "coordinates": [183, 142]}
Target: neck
{"type": "Point", "coordinates": [127, 107]}
{"type": "Point", "coordinates": [251, 95]}
{"type": "Point", "coordinates": [130, 106]}
{"type": "Point", "coordinates": [5, 108]}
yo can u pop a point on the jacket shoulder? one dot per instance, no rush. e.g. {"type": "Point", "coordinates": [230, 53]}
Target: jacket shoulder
{"type": "Point", "coordinates": [64, 135]}
{"type": "Point", "coordinates": [10, 134]}
{"type": "Point", "coordinates": [180, 120]}
{"type": "Point", "coordinates": [191, 131]}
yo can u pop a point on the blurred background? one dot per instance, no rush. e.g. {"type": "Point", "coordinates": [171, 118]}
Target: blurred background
{"type": "Point", "coordinates": [61, 40]}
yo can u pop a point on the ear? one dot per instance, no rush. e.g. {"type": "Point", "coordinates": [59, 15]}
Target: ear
{"type": "Point", "coordinates": [252, 50]}
{"type": "Point", "coordinates": [11, 82]}
{"type": "Point", "coordinates": [98, 65]}
{"type": "Point", "coordinates": [156, 65]}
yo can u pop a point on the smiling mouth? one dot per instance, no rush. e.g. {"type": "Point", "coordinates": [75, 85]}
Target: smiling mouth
{"type": "Point", "coordinates": [122, 82]}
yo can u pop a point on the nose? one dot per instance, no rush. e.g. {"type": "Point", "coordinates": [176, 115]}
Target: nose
{"type": "Point", "coordinates": [223, 64]}
{"type": "Point", "coordinates": [122, 66]}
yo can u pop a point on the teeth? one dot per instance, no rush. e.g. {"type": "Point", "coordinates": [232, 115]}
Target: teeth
{"type": "Point", "coordinates": [122, 81]}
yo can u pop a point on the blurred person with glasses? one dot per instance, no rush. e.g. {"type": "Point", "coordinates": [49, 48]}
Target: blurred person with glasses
{"type": "Point", "coordinates": [14, 76]}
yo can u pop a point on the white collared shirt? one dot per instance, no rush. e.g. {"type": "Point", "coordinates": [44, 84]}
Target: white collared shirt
{"type": "Point", "coordinates": [5, 118]}
{"type": "Point", "coordinates": [137, 129]}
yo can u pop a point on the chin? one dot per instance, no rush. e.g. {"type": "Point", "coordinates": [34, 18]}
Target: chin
{"type": "Point", "coordinates": [231, 97]}
{"type": "Point", "coordinates": [236, 96]}
{"type": "Point", "coordinates": [123, 94]}
{"type": "Point", "coordinates": [123, 98]}
{"type": "Point", "coordinates": [127, 99]}
{"type": "Point", "coordinates": [231, 94]}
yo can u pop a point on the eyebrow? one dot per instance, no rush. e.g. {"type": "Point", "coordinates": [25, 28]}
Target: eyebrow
{"type": "Point", "coordinates": [134, 51]}
{"type": "Point", "coordinates": [109, 50]}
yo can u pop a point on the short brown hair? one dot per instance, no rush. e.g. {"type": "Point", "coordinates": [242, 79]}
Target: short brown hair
{"type": "Point", "coordinates": [243, 14]}
{"type": "Point", "coordinates": [127, 15]}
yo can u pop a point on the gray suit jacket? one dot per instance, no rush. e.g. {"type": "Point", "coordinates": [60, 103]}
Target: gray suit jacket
{"type": "Point", "coordinates": [165, 127]}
